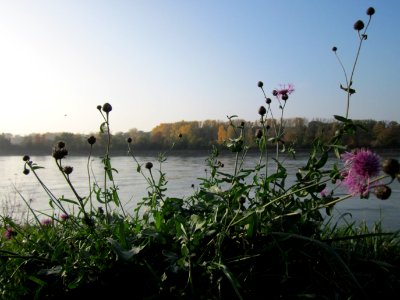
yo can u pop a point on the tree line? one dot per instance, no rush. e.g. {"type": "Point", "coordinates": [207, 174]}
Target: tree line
{"type": "Point", "coordinates": [202, 135]}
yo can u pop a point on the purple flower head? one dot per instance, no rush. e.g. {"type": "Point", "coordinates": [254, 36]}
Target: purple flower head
{"type": "Point", "coordinates": [284, 91]}
{"type": "Point", "coordinates": [64, 217]}
{"type": "Point", "coordinates": [9, 233]}
{"type": "Point", "coordinates": [363, 162]}
{"type": "Point", "coordinates": [361, 165]}
{"type": "Point", "coordinates": [47, 222]}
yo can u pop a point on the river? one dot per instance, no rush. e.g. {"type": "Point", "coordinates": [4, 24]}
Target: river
{"type": "Point", "coordinates": [182, 173]}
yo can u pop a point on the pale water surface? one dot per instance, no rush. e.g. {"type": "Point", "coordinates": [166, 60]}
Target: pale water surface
{"type": "Point", "coordinates": [181, 172]}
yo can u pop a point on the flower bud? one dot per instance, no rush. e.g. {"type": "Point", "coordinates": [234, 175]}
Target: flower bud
{"type": "Point", "coordinates": [60, 144]}
{"type": "Point", "coordinates": [370, 11]}
{"type": "Point", "coordinates": [275, 92]}
{"type": "Point", "coordinates": [26, 171]}
{"type": "Point", "coordinates": [262, 110]}
{"type": "Point", "coordinates": [148, 165]}
{"type": "Point", "coordinates": [359, 25]}
{"type": "Point", "coordinates": [259, 134]}
{"type": "Point", "coordinates": [180, 135]}
{"type": "Point", "coordinates": [107, 107]}
{"type": "Point", "coordinates": [391, 167]}
{"type": "Point", "coordinates": [26, 158]}
{"type": "Point", "coordinates": [285, 97]}
{"type": "Point", "coordinates": [382, 192]}
{"type": "Point", "coordinates": [99, 107]}
{"type": "Point", "coordinates": [91, 140]}
{"type": "Point", "coordinates": [260, 84]}
{"type": "Point", "coordinates": [129, 140]}
{"type": "Point", "coordinates": [334, 49]}
{"type": "Point", "coordinates": [268, 100]}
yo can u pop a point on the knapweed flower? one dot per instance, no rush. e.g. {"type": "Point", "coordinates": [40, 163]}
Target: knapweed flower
{"type": "Point", "coordinates": [9, 233]}
{"type": "Point", "coordinates": [46, 222]}
{"type": "Point", "coordinates": [59, 151]}
{"type": "Point", "coordinates": [262, 111]}
{"type": "Point", "coordinates": [68, 170]}
{"type": "Point", "coordinates": [359, 25]}
{"type": "Point", "coordinates": [91, 140]}
{"type": "Point", "coordinates": [370, 11]}
{"type": "Point", "coordinates": [391, 167]}
{"type": "Point", "coordinates": [64, 217]}
{"type": "Point", "coordinates": [361, 166]}
{"type": "Point", "coordinates": [382, 192]}
{"type": "Point", "coordinates": [284, 92]}
{"type": "Point", "coordinates": [107, 107]}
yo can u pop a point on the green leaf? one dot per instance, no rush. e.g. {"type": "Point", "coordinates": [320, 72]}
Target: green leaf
{"type": "Point", "coordinates": [340, 118]}
{"type": "Point", "coordinates": [124, 254]}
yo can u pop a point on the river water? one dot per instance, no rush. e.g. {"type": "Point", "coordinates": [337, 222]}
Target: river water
{"type": "Point", "coordinates": [182, 173]}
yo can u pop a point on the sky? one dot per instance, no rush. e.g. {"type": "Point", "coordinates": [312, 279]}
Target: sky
{"type": "Point", "coordinates": [160, 61]}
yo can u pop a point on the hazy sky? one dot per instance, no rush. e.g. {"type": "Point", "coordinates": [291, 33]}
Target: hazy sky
{"type": "Point", "coordinates": [165, 61]}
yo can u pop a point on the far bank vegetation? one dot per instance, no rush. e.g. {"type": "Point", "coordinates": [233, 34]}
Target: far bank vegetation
{"type": "Point", "coordinates": [201, 135]}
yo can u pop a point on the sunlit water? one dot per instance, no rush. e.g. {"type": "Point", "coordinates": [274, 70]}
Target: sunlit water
{"type": "Point", "coordinates": [182, 173]}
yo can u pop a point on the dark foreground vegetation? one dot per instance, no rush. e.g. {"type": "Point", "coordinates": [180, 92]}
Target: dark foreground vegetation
{"type": "Point", "coordinates": [202, 135]}
{"type": "Point", "coordinates": [246, 234]}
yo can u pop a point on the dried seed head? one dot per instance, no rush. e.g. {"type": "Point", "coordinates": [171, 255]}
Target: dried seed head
{"type": "Point", "coordinates": [262, 111]}
{"type": "Point", "coordinates": [382, 192]}
{"type": "Point", "coordinates": [391, 167]}
{"type": "Point", "coordinates": [91, 140]}
{"type": "Point", "coordinates": [68, 170]}
{"type": "Point", "coordinates": [26, 171]}
{"type": "Point", "coordinates": [370, 11]}
{"type": "Point", "coordinates": [26, 158]}
{"type": "Point", "coordinates": [268, 100]}
{"type": "Point", "coordinates": [61, 145]}
{"type": "Point", "coordinates": [275, 92]}
{"type": "Point", "coordinates": [259, 134]}
{"type": "Point", "coordinates": [107, 107]}
{"type": "Point", "coordinates": [129, 140]}
{"type": "Point", "coordinates": [285, 97]}
{"type": "Point", "coordinates": [99, 107]}
{"type": "Point", "coordinates": [359, 25]}
{"type": "Point", "coordinates": [148, 165]}
{"type": "Point", "coordinates": [180, 135]}
{"type": "Point", "coordinates": [334, 49]}
{"type": "Point", "coordinates": [59, 153]}
{"type": "Point", "coordinates": [260, 84]}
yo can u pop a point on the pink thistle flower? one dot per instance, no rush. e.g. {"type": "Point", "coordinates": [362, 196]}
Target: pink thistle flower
{"type": "Point", "coordinates": [361, 165]}
{"type": "Point", "coordinates": [284, 91]}
{"type": "Point", "coordinates": [47, 222]}
{"type": "Point", "coordinates": [64, 217]}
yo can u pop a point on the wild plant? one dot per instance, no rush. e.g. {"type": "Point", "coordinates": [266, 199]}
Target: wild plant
{"type": "Point", "coordinates": [241, 234]}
